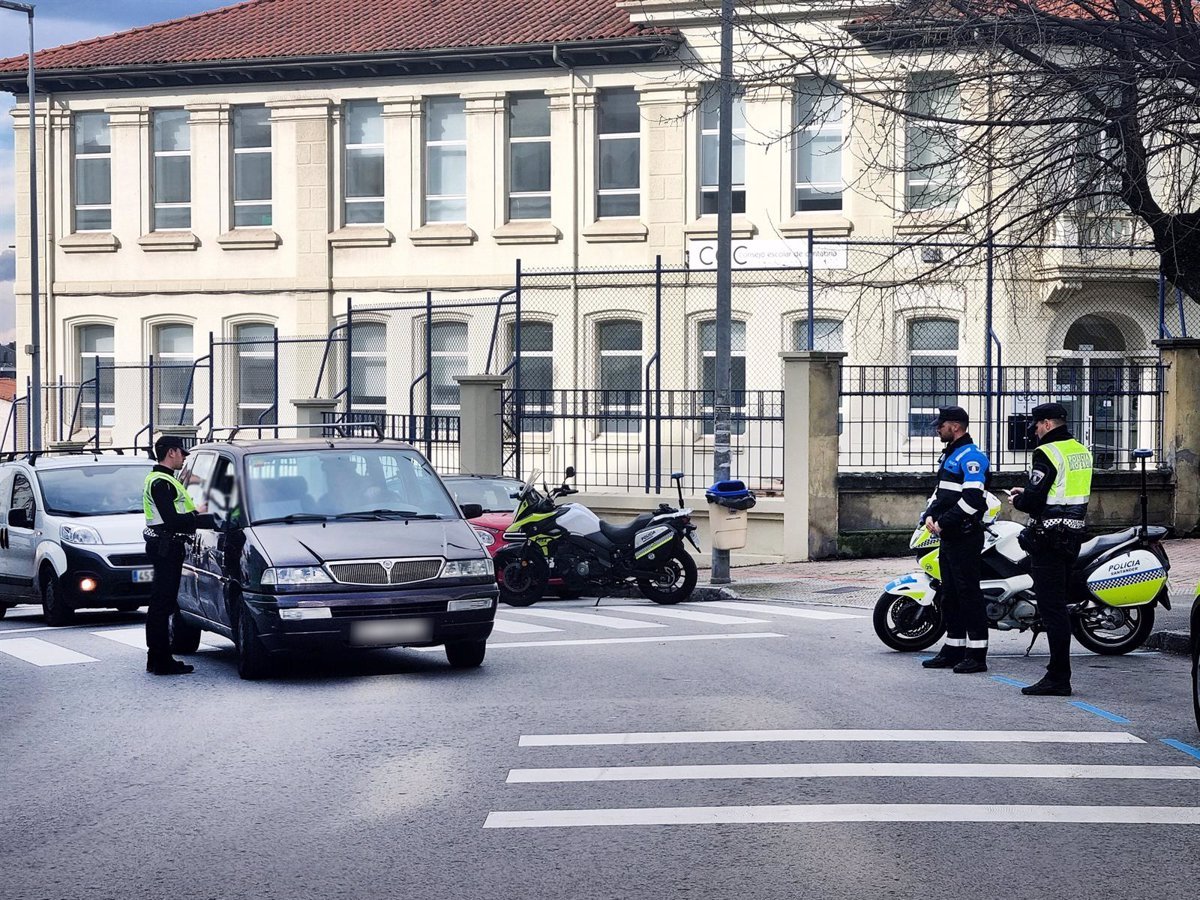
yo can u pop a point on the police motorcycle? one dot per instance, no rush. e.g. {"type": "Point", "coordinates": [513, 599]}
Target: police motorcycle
{"type": "Point", "coordinates": [570, 542]}
{"type": "Point", "coordinates": [1114, 587]}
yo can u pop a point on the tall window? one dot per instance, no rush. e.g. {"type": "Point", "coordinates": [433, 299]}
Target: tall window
{"type": "Point", "coordinates": [931, 145]}
{"type": "Point", "coordinates": [95, 359]}
{"type": "Point", "coordinates": [445, 160]}
{"type": "Point", "coordinates": [620, 346]}
{"type": "Point", "coordinates": [93, 173]}
{"type": "Point", "coordinates": [537, 372]}
{"type": "Point", "coordinates": [1102, 217]}
{"type": "Point", "coordinates": [827, 335]}
{"type": "Point", "coordinates": [710, 124]}
{"type": "Point", "coordinates": [737, 374]}
{"type": "Point", "coordinates": [933, 371]}
{"type": "Point", "coordinates": [256, 375]}
{"type": "Point", "coordinates": [819, 111]}
{"type": "Point", "coordinates": [528, 156]}
{"type": "Point", "coordinates": [172, 170]}
{"type": "Point", "coordinates": [448, 352]}
{"type": "Point", "coordinates": [619, 155]}
{"type": "Point", "coordinates": [364, 188]}
{"type": "Point", "coordinates": [176, 390]}
{"type": "Point", "coordinates": [251, 167]}
{"type": "Point", "coordinates": [368, 366]}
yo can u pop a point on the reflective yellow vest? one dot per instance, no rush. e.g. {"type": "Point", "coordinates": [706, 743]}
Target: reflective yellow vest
{"type": "Point", "coordinates": [183, 501]}
{"type": "Point", "coordinates": [1072, 485]}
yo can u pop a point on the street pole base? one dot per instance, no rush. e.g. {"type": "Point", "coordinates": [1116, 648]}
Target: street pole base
{"type": "Point", "coordinates": [720, 579]}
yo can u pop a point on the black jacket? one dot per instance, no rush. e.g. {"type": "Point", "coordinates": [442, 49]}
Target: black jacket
{"type": "Point", "coordinates": [1041, 475]}
{"type": "Point", "coordinates": [163, 496]}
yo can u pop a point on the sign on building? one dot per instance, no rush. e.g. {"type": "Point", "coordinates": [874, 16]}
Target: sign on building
{"type": "Point", "coordinates": [784, 254]}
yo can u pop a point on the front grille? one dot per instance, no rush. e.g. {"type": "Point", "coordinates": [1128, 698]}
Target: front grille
{"type": "Point", "coordinates": [385, 571]}
{"type": "Point", "coordinates": [129, 559]}
{"type": "Point", "coordinates": [390, 610]}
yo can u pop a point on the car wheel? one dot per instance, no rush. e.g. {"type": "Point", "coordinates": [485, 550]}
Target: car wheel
{"type": "Point", "coordinates": [254, 662]}
{"type": "Point", "coordinates": [185, 637]}
{"type": "Point", "coordinates": [55, 609]}
{"type": "Point", "coordinates": [466, 654]}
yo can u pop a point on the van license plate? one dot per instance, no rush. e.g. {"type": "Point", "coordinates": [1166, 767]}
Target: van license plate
{"type": "Point", "coordinates": [390, 631]}
{"type": "Point", "coordinates": [143, 576]}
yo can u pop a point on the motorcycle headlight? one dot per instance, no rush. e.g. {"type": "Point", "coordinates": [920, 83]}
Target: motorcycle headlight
{"type": "Point", "coordinates": [295, 575]}
{"type": "Point", "coordinates": [468, 568]}
{"type": "Point", "coordinates": [78, 534]}
{"type": "Point", "coordinates": [486, 538]}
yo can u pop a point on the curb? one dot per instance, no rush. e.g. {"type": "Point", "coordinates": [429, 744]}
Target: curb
{"type": "Point", "coordinates": [1170, 642]}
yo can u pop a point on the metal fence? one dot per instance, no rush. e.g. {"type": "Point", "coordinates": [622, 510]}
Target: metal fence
{"type": "Point", "coordinates": [436, 436]}
{"type": "Point", "coordinates": [885, 411]}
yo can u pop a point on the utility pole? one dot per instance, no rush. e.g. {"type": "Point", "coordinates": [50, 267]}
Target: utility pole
{"type": "Point", "coordinates": [35, 292]}
{"type": "Point", "coordinates": [724, 326]}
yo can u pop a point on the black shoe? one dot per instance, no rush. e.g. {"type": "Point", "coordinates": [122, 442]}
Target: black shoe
{"type": "Point", "coordinates": [970, 667]}
{"type": "Point", "coordinates": [169, 666]}
{"type": "Point", "coordinates": [942, 661]}
{"type": "Point", "coordinates": [1048, 687]}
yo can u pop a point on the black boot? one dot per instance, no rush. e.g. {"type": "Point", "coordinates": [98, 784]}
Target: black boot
{"type": "Point", "coordinates": [1049, 687]}
{"type": "Point", "coordinates": [947, 658]}
{"type": "Point", "coordinates": [167, 666]}
{"type": "Point", "coordinates": [975, 660]}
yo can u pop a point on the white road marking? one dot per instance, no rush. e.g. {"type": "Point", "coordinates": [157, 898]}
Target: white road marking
{"type": "Point", "coordinates": [504, 626]}
{"type": "Point", "coordinates": [849, 770]}
{"type": "Point", "coordinates": [584, 618]}
{"type": "Point", "coordinates": [216, 641]}
{"type": "Point", "coordinates": [848, 812]}
{"type": "Point", "coordinates": [794, 612]}
{"type": "Point", "coordinates": [633, 640]}
{"type": "Point", "coordinates": [829, 734]}
{"type": "Point", "coordinates": [42, 653]}
{"type": "Point", "coordinates": [133, 637]}
{"type": "Point", "coordinates": [688, 614]}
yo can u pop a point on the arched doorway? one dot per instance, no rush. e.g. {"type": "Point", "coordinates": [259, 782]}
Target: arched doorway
{"type": "Point", "coordinates": [1093, 381]}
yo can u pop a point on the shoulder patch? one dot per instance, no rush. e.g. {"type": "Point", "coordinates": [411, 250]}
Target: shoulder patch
{"type": "Point", "coordinates": [973, 467]}
{"type": "Point", "coordinates": [1036, 476]}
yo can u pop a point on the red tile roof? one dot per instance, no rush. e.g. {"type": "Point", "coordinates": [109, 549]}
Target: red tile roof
{"type": "Point", "coordinates": [276, 29]}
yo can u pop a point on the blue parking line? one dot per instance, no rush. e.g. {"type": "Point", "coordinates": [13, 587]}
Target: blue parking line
{"type": "Point", "coordinates": [1180, 745]}
{"type": "Point", "coordinates": [1102, 713]}
{"type": "Point", "coordinates": [1006, 680]}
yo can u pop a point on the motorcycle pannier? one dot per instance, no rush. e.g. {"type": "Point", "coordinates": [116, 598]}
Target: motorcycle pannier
{"type": "Point", "coordinates": [1131, 579]}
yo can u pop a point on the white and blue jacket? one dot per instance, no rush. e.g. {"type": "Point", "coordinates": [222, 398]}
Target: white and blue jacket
{"type": "Point", "coordinates": [959, 500]}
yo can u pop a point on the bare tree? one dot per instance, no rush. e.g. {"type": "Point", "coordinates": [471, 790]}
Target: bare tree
{"type": "Point", "coordinates": [1046, 121]}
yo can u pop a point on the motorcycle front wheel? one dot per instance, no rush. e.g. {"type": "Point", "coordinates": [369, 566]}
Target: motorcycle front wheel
{"type": "Point", "coordinates": [1110, 631]}
{"type": "Point", "coordinates": [905, 625]}
{"type": "Point", "coordinates": [522, 580]}
{"type": "Point", "coordinates": [674, 580]}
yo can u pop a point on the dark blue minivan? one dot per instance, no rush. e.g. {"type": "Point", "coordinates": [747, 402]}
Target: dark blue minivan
{"type": "Point", "coordinates": [330, 543]}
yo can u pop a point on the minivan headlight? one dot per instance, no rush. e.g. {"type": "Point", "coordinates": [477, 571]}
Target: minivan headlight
{"type": "Point", "coordinates": [294, 575]}
{"type": "Point", "coordinates": [468, 568]}
{"type": "Point", "coordinates": [78, 534]}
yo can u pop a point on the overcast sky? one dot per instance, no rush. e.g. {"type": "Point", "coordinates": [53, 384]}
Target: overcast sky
{"type": "Point", "coordinates": [58, 22]}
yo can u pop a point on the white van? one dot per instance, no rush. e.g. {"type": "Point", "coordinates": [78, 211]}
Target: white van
{"type": "Point", "coordinates": [71, 533]}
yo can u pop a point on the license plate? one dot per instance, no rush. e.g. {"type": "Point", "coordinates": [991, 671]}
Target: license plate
{"type": "Point", "coordinates": [390, 631]}
{"type": "Point", "coordinates": [143, 576]}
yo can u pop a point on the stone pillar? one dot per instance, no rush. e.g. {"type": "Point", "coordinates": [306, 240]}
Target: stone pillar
{"type": "Point", "coordinates": [486, 188]}
{"type": "Point", "coordinates": [480, 430]}
{"type": "Point", "coordinates": [186, 433]}
{"type": "Point", "coordinates": [311, 411]}
{"type": "Point", "coordinates": [664, 191]}
{"type": "Point", "coordinates": [811, 385]}
{"type": "Point", "coordinates": [1181, 427]}
{"type": "Point", "coordinates": [211, 209]}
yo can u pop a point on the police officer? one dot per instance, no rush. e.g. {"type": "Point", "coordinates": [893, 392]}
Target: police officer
{"type": "Point", "coordinates": [955, 513]}
{"type": "Point", "coordinates": [1056, 499]}
{"type": "Point", "coordinates": [170, 516]}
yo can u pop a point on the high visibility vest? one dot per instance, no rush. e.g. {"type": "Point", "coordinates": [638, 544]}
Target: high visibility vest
{"type": "Point", "coordinates": [1072, 485]}
{"type": "Point", "coordinates": [183, 500]}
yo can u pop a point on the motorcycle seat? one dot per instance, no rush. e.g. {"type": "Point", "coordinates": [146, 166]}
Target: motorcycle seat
{"type": "Point", "coordinates": [1104, 542]}
{"type": "Point", "coordinates": [623, 534]}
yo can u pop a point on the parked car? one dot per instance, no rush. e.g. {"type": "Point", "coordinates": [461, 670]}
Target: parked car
{"type": "Point", "coordinates": [324, 544]}
{"type": "Point", "coordinates": [71, 533]}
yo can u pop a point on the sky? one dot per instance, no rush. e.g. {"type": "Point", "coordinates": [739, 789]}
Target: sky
{"type": "Point", "coordinates": [58, 22]}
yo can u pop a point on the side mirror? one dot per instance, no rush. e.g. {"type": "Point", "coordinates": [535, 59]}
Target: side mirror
{"type": "Point", "coordinates": [676, 476]}
{"type": "Point", "coordinates": [471, 510]}
{"type": "Point", "coordinates": [20, 518]}
{"type": "Point", "coordinates": [570, 472]}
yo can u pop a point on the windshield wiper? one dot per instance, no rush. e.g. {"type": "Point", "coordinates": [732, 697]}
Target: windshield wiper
{"type": "Point", "coordinates": [292, 517]}
{"type": "Point", "coordinates": [387, 514]}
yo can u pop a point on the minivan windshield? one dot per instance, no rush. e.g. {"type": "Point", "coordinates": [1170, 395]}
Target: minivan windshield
{"type": "Point", "coordinates": [96, 490]}
{"type": "Point", "coordinates": [311, 485]}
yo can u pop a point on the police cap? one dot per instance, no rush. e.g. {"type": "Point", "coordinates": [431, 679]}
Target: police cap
{"type": "Point", "coordinates": [951, 414]}
{"type": "Point", "coordinates": [168, 442]}
{"type": "Point", "coordinates": [1048, 411]}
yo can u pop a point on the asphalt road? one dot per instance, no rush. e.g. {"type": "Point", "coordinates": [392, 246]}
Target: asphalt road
{"type": "Point", "coordinates": [630, 755]}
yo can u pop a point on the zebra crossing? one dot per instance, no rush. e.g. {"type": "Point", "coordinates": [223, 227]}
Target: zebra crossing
{"type": "Point", "coordinates": [550, 625]}
{"type": "Point", "coordinates": [1144, 763]}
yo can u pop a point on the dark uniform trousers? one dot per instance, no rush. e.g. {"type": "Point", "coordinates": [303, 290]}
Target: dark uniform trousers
{"type": "Point", "coordinates": [164, 594]}
{"type": "Point", "coordinates": [1051, 569]}
{"type": "Point", "coordinates": [962, 601]}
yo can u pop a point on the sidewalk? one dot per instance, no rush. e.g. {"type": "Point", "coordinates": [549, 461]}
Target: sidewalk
{"type": "Point", "coordinates": [859, 582]}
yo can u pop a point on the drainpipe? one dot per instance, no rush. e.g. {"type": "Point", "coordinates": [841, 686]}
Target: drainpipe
{"type": "Point", "coordinates": [558, 61]}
